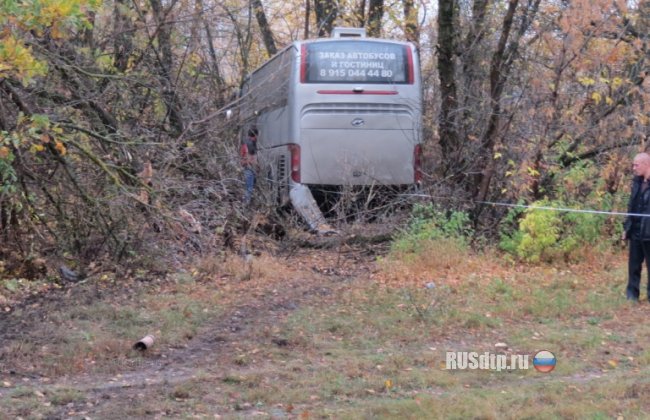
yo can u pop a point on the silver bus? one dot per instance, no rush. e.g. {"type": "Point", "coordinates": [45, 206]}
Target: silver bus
{"type": "Point", "coordinates": [337, 111]}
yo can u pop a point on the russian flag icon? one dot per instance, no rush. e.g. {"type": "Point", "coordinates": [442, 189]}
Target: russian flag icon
{"type": "Point", "coordinates": [544, 361]}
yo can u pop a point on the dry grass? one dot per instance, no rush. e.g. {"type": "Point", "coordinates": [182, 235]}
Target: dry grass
{"type": "Point", "coordinates": [433, 261]}
{"type": "Point", "coordinates": [97, 337]}
{"type": "Point", "coordinates": [261, 267]}
{"type": "Point", "coordinates": [375, 347]}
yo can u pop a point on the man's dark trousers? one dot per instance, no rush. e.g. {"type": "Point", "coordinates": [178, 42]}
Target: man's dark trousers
{"type": "Point", "coordinates": [639, 251]}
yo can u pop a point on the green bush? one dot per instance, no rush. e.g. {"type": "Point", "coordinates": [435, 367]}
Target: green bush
{"type": "Point", "coordinates": [430, 223]}
{"type": "Point", "coordinates": [540, 233]}
{"type": "Point", "coordinates": [543, 235]}
{"type": "Point", "coordinates": [7, 173]}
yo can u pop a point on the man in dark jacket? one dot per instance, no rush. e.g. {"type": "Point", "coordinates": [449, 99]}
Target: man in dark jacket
{"type": "Point", "coordinates": [637, 228]}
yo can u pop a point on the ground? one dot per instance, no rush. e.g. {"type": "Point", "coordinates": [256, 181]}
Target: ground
{"type": "Point", "coordinates": [329, 327]}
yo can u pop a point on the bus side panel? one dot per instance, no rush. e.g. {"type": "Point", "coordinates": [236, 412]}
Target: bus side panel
{"type": "Point", "coordinates": [275, 166]}
{"type": "Point", "coordinates": [274, 127]}
{"type": "Point", "coordinates": [266, 98]}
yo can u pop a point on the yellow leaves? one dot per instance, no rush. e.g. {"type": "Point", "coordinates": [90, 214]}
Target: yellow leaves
{"type": "Point", "coordinates": [17, 60]}
{"type": "Point", "coordinates": [532, 172]}
{"type": "Point", "coordinates": [596, 97]}
{"type": "Point", "coordinates": [194, 62]}
{"type": "Point", "coordinates": [388, 384]}
{"type": "Point", "coordinates": [53, 9]}
{"type": "Point", "coordinates": [32, 134]}
{"type": "Point", "coordinates": [55, 17]}
{"type": "Point", "coordinates": [616, 82]}
{"type": "Point", "coordinates": [586, 81]}
{"type": "Point", "coordinates": [4, 152]}
{"type": "Point", "coordinates": [56, 14]}
{"type": "Point", "coordinates": [602, 84]}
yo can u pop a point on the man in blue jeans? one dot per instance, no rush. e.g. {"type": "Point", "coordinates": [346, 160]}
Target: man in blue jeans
{"type": "Point", "coordinates": [248, 155]}
{"type": "Point", "coordinates": [637, 228]}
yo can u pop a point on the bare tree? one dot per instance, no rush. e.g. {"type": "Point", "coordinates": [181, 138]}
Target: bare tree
{"type": "Point", "coordinates": [326, 14]}
{"type": "Point", "coordinates": [502, 61]}
{"type": "Point", "coordinates": [447, 36]}
{"type": "Point", "coordinates": [165, 59]}
{"type": "Point", "coordinates": [215, 69]}
{"type": "Point", "coordinates": [265, 28]}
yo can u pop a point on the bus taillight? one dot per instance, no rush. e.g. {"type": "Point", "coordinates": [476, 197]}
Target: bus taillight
{"type": "Point", "coordinates": [409, 61]}
{"type": "Point", "coordinates": [303, 64]}
{"type": "Point", "coordinates": [417, 163]}
{"type": "Point", "coordinates": [295, 162]}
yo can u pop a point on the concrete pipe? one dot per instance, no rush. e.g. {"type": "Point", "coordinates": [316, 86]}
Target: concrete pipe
{"type": "Point", "coordinates": [144, 343]}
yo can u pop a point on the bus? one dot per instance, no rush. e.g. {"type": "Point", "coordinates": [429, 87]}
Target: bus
{"type": "Point", "coordinates": [339, 111]}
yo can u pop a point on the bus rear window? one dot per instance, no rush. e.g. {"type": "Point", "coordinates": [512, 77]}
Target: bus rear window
{"type": "Point", "coordinates": [355, 62]}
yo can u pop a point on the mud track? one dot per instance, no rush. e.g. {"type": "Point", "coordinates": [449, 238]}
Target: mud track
{"type": "Point", "coordinates": [250, 319]}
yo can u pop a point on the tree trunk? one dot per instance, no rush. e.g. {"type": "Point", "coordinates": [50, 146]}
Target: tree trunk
{"type": "Point", "coordinates": [472, 50]}
{"type": "Point", "coordinates": [87, 34]}
{"type": "Point", "coordinates": [497, 83]}
{"type": "Point", "coordinates": [361, 14]}
{"type": "Point", "coordinates": [267, 34]}
{"type": "Point", "coordinates": [375, 15]}
{"type": "Point", "coordinates": [643, 27]}
{"type": "Point", "coordinates": [214, 60]}
{"type": "Point", "coordinates": [447, 128]}
{"type": "Point", "coordinates": [307, 17]}
{"type": "Point", "coordinates": [411, 27]}
{"type": "Point", "coordinates": [499, 70]}
{"type": "Point", "coordinates": [244, 39]}
{"type": "Point", "coordinates": [326, 14]}
{"type": "Point", "coordinates": [166, 62]}
{"type": "Point", "coordinates": [122, 36]}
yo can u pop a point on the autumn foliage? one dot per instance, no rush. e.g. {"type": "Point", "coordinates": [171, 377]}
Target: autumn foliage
{"type": "Point", "coordinates": [112, 123]}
